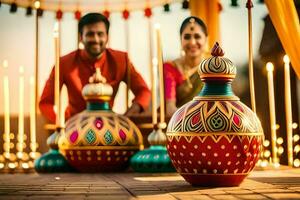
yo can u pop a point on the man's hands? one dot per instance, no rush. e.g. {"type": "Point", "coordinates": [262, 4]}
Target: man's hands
{"type": "Point", "coordinates": [134, 109]}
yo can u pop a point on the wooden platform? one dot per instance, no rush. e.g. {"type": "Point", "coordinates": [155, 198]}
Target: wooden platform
{"type": "Point", "coordinates": [270, 184]}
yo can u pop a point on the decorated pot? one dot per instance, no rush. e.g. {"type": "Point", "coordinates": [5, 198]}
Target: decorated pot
{"type": "Point", "coordinates": [215, 140]}
{"type": "Point", "coordinates": [97, 139]}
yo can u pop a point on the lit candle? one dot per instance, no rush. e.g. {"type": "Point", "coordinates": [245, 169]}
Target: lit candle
{"type": "Point", "coordinates": [160, 73]}
{"type": "Point", "coordinates": [21, 113]}
{"type": "Point", "coordinates": [154, 91]}
{"type": "Point", "coordinates": [37, 4]}
{"type": "Point", "coordinates": [270, 69]}
{"type": "Point", "coordinates": [288, 109]}
{"type": "Point", "coordinates": [56, 79]}
{"type": "Point", "coordinates": [6, 113]}
{"type": "Point", "coordinates": [32, 115]}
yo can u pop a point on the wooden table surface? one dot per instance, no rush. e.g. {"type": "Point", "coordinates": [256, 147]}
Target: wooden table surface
{"type": "Point", "coordinates": [268, 184]}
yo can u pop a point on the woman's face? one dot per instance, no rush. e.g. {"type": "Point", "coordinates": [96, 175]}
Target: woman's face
{"type": "Point", "coordinates": [193, 40]}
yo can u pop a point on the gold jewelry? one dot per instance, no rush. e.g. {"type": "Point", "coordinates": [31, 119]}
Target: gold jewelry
{"type": "Point", "coordinates": [187, 73]}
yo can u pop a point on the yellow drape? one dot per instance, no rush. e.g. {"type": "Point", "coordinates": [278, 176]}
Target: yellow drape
{"type": "Point", "coordinates": [208, 11]}
{"type": "Point", "coordinates": [286, 22]}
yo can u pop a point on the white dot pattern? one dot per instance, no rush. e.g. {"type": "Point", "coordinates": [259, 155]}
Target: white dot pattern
{"type": "Point", "coordinates": [208, 158]}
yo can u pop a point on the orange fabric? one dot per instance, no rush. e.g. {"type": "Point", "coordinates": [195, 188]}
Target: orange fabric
{"type": "Point", "coordinates": [75, 70]}
{"type": "Point", "coordinates": [209, 12]}
{"type": "Point", "coordinates": [286, 22]}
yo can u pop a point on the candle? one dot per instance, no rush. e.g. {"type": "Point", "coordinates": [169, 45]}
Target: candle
{"type": "Point", "coordinates": [154, 91]}
{"type": "Point", "coordinates": [6, 113]}
{"type": "Point", "coordinates": [32, 115]}
{"type": "Point", "coordinates": [37, 4]}
{"type": "Point", "coordinates": [56, 79]}
{"type": "Point", "coordinates": [270, 69]}
{"type": "Point", "coordinates": [288, 109]}
{"type": "Point", "coordinates": [21, 114]}
{"type": "Point", "coordinates": [160, 73]}
{"type": "Point", "coordinates": [250, 54]}
{"type": "Point", "coordinates": [127, 45]}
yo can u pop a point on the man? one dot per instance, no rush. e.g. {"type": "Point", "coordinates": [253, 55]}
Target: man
{"type": "Point", "coordinates": [79, 65]}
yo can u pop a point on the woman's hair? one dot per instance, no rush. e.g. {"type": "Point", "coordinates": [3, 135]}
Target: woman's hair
{"type": "Point", "coordinates": [92, 18]}
{"type": "Point", "coordinates": [196, 20]}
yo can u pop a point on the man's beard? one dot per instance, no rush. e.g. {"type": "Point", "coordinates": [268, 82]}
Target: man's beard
{"type": "Point", "coordinates": [95, 53]}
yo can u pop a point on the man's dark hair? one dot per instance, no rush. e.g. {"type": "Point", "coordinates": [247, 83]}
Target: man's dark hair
{"type": "Point", "coordinates": [197, 21]}
{"type": "Point", "coordinates": [92, 18]}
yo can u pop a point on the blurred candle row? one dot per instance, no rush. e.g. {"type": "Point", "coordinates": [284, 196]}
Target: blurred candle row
{"type": "Point", "coordinates": [21, 136]}
{"type": "Point", "coordinates": [288, 114]}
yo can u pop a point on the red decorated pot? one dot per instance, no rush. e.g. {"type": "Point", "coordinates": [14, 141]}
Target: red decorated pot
{"type": "Point", "coordinates": [215, 140]}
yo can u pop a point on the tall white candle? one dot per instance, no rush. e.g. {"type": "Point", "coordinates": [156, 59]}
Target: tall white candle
{"type": "Point", "coordinates": [56, 81]}
{"type": "Point", "coordinates": [160, 74]}
{"type": "Point", "coordinates": [154, 91]}
{"type": "Point", "coordinates": [270, 69]}
{"type": "Point", "coordinates": [6, 112]}
{"type": "Point", "coordinates": [32, 115]}
{"type": "Point", "coordinates": [21, 112]}
{"type": "Point", "coordinates": [288, 109]}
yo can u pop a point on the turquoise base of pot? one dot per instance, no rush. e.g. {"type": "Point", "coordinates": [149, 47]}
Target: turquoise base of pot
{"type": "Point", "coordinates": [152, 160]}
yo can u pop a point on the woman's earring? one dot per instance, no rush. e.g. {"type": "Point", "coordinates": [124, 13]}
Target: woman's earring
{"type": "Point", "coordinates": [80, 45]}
{"type": "Point", "coordinates": [182, 53]}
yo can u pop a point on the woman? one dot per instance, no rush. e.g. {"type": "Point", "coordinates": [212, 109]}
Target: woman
{"type": "Point", "coordinates": [182, 81]}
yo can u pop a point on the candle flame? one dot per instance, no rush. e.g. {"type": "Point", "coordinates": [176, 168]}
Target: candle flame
{"type": "Point", "coordinates": [279, 140]}
{"type": "Point", "coordinates": [286, 59]}
{"type": "Point", "coordinates": [5, 64]}
{"type": "Point", "coordinates": [11, 165]}
{"type": "Point", "coordinates": [21, 69]}
{"type": "Point", "coordinates": [154, 61]}
{"type": "Point", "coordinates": [296, 162]}
{"type": "Point", "coordinates": [56, 29]}
{"type": "Point", "coordinates": [37, 4]}
{"type": "Point", "coordinates": [296, 138]}
{"type": "Point", "coordinates": [294, 125]}
{"type": "Point", "coordinates": [277, 165]}
{"type": "Point", "coordinates": [270, 67]}
{"type": "Point", "coordinates": [31, 80]}
{"type": "Point", "coordinates": [157, 26]}
{"type": "Point", "coordinates": [25, 165]}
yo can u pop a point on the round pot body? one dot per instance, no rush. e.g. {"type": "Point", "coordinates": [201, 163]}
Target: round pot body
{"type": "Point", "coordinates": [100, 140]}
{"type": "Point", "coordinates": [99, 158]}
{"type": "Point", "coordinates": [214, 141]}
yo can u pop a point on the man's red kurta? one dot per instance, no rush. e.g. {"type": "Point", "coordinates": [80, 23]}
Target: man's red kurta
{"type": "Point", "coordinates": [75, 70]}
